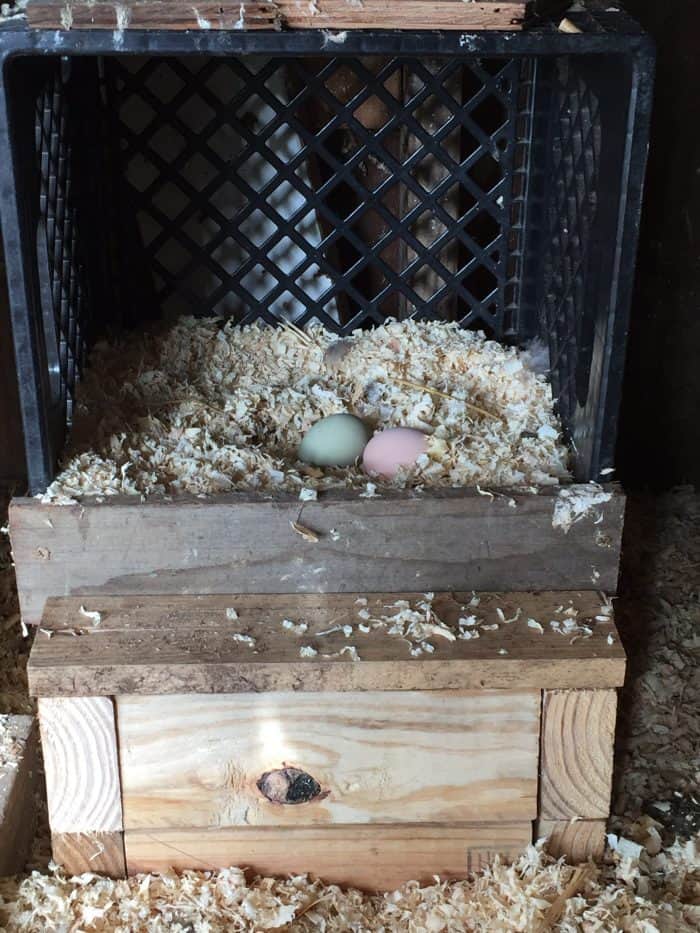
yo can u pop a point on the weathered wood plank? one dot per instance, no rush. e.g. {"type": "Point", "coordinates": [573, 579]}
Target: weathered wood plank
{"type": "Point", "coordinates": [283, 759]}
{"type": "Point", "coordinates": [18, 782]}
{"type": "Point", "coordinates": [577, 841]}
{"type": "Point", "coordinates": [452, 540]}
{"type": "Point", "coordinates": [79, 743]}
{"type": "Point", "coordinates": [288, 14]}
{"type": "Point", "coordinates": [369, 857]}
{"type": "Point", "coordinates": [578, 731]}
{"type": "Point", "coordinates": [102, 853]}
{"type": "Point", "coordinates": [185, 644]}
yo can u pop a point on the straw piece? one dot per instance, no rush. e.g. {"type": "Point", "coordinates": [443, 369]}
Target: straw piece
{"type": "Point", "coordinates": [431, 391]}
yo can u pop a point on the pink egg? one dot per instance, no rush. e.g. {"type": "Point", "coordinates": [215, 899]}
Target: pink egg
{"type": "Point", "coordinates": [396, 447]}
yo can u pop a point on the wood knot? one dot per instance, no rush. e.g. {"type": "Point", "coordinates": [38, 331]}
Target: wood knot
{"type": "Point", "coordinates": [290, 786]}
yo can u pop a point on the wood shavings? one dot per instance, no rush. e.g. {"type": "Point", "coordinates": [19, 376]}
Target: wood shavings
{"type": "Point", "coordinates": [93, 615]}
{"type": "Point", "coordinates": [206, 408]}
{"type": "Point", "coordinates": [337, 38]}
{"type": "Point", "coordinates": [574, 503]}
{"type": "Point", "coordinates": [246, 640]}
{"type": "Point", "coordinates": [657, 614]}
{"type": "Point", "coordinates": [306, 533]}
{"type": "Point", "coordinates": [467, 621]}
{"type": "Point", "coordinates": [329, 631]}
{"type": "Point", "coordinates": [501, 616]}
{"type": "Point", "coordinates": [526, 895]}
{"type": "Point", "coordinates": [11, 747]}
{"type": "Point", "coordinates": [566, 25]}
{"type": "Point", "coordinates": [349, 650]}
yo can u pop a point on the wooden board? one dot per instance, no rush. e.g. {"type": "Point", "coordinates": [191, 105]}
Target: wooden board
{"type": "Point", "coordinates": [102, 853]}
{"type": "Point", "coordinates": [79, 744]}
{"type": "Point", "coordinates": [17, 787]}
{"type": "Point", "coordinates": [578, 731]}
{"type": "Point", "coordinates": [448, 540]}
{"type": "Point", "coordinates": [368, 857]}
{"type": "Point", "coordinates": [428, 756]}
{"type": "Point", "coordinates": [184, 644]}
{"type": "Point", "coordinates": [577, 841]}
{"type": "Point", "coordinates": [287, 14]}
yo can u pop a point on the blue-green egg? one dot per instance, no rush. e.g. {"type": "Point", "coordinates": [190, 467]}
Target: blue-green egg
{"type": "Point", "coordinates": [337, 440]}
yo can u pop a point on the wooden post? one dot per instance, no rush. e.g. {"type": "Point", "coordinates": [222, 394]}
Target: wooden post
{"type": "Point", "coordinates": [79, 742]}
{"type": "Point", "coordinates": [579, 841]}
{"type": "Point", "coordinates": [578, 730]}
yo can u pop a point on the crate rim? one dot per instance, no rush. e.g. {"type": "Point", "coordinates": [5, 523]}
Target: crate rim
{"type": "Point", "coordinates": [620, 34]}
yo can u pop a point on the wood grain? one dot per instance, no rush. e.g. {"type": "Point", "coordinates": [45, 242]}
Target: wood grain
{"type": "Point", "coordinates": [184, 644]}
{"type": "Point", "coordinates": [430, 756]}
{"type": "Point", "coordinates": [369, 857]}
{"type": "Point", "coordinates": [79, 743]}
{"type": "Point", "coordinates": [578, 731]}
{"type": "Point", "coordinates": [579, 841]}
{"type": "Point", "coordinates": [289, 14]}
{"type": "Point", "coordinates": [102, 853]}
{"type": "Point", "coordinates": [445, 540]}
{"type": "Point", "coordinates": [17, 787]}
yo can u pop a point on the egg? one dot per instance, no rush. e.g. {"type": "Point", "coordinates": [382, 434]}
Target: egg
{"type": "Point", "coordinates": [337, 440]}
{"type": "Point", "coordinates": [391, 449]}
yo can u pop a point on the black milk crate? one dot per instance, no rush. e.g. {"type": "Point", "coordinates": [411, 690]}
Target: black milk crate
{"type": "Point", "coordinates": [493, 178]}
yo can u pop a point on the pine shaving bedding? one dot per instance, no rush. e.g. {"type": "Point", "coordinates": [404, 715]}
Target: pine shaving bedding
{"type": "Point", "coordinates": [638, 893]}
{"type": "Point", "coordinates": [207, 407]}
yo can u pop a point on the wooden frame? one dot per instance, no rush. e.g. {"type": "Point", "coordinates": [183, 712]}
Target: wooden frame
{"type": "Point", "coordinates": [396, 542]}
{"type": "Point", "coordinates": [333, 773]}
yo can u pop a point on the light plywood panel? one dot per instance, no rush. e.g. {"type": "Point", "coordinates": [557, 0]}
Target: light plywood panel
{"type": "Point", "coordinates": [578, 732]}
{"type": "Point", "coordinates": [177, 644]}
{"type": "Point", "coordinates": [441, 541]}
{"type": "Point", "coordinates": [375, 757]}
{"type": "Point", "coordinates": [376, 857]}
{"type": "Point", "coordinates": [79, 745]}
